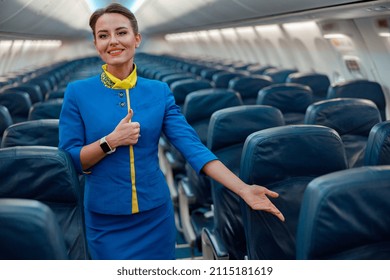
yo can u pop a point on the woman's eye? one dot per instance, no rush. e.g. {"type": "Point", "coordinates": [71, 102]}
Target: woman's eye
{"type": "Point", "coordinates": [102, 36]}
{"type": "Point", "coordinates": [122, 33]}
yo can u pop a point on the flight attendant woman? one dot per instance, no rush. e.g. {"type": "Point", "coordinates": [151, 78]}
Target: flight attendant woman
{"type": "Point", "coordinates": [128, 211]}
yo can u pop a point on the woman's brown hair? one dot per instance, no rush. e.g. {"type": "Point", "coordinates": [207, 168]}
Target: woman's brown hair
{"type": "Point", "coordinates": [117, 9]}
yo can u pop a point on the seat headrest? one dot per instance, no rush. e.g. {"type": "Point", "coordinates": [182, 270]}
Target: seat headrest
{"type": "Point", "coordinates": [378, 145]}
{"type": "Point", "coordinates": [38, 172]}
{"type": "Point", "coordinates": [344, 115]}
{"type": "Point", "coordinates": [29, 231]}
{"type": "Point", "coordinates": [360, 89]}
{"type": "Point", "coordinates": [279, 75]}
{"type": "Point", "coordinates": [181, 89]}
{"type": "Point", "coordinates": [318, 82]}
{"type": "Point", "coordinates": [271, 154]}
{"type": "Point", "coordinates": [17, 102]}
{"type": "Point", "coordinates": [201, 104]}
{"type": "Point", "coordinates": [239, 122]}
{"type": "Point", "coordinates": [287, 97]}
{"type": "Point", "coordinates": [345, 210]}
{"type": "Point", "coordinates": [29, 133]}
{"type": "Point", "coordinates": [222, 79]}
{"type": "Point", "coordinates": [248, 87]}
{"type": "Point", "coordinates": [5, 119]}
{"type": "Point", "coordinates": [49, 109]}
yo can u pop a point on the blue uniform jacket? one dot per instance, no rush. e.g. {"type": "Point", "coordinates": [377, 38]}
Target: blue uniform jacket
{"type": "Point", "coordinates": [91, 110]}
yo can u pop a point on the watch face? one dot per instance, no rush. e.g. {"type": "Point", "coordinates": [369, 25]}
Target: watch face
{"type": "Point", "coordinates": [105, 147]}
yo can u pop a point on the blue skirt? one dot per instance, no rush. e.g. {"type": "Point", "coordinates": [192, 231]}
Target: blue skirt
{"type": "Point", "coordinates": [148, 235]}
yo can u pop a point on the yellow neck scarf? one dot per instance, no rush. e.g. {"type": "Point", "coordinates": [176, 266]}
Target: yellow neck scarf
{"type": "Point", "coordinates": [127, 83]}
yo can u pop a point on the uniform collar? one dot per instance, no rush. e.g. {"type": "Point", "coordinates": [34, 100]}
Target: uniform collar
{"type": "Point", "coordinates": [110, 81]}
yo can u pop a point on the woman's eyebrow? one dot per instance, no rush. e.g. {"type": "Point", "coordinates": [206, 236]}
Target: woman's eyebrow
{"type": "Point", "coordinates": [116, 29]}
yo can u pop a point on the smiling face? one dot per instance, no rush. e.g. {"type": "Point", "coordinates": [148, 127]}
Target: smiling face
{"type": "Point", "coordinates": [115, 42]}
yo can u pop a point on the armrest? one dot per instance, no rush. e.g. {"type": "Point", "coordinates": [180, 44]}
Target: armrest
{"type": "Point", "coordinates": [185, 196]}
{"type": "Point", "coordinates": [168, 173]}
{"type": "Point", "coordinates": [212, 247]}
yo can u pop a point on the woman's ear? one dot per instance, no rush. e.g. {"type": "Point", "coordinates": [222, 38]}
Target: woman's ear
{"type": "Point", "coordinates": [138, 39]}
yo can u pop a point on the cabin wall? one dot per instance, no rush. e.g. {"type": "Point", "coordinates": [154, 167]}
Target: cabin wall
{"type": "Point", "coordinates": [343, 49]}
{"type": "Point", "coordinates": [17, 55]}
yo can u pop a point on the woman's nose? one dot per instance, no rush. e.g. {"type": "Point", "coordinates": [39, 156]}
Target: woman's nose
{"type": "Point", "coordinates": [113, 40]}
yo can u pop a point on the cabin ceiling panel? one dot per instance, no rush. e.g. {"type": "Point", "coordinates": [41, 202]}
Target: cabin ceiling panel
{"type": "Point", "coordinates": [44, 18]}
{"type": "Point", "coordinates": [162, 16]}
{"type": "Point", "coordinates": [58, 19]}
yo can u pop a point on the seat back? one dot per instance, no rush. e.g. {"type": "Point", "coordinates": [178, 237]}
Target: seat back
{"type": "Point", "coordinates": [201, 104]}
{"type": "Point", "coordinates": [345, 116]}
{"type": "Point", "coordinates": [279, 75]}
{"type": "Point", "coordinates": [285, 159]}
{"type": "Point", "coordinates": [170, 79]}
{"type": "Point", "coordinates": [227, 133]}
{"type": "Point", "coordinates": [345, 215]}
{"type": "Point", "coordinates": [248, 87]}
{"type": "Point", "coordinates": [182, 88]}
{"type": "Point", "coordinates": [29, 231]}
{"type": "Point", "coordinates": [50, 109]}
{"type": "Point", "coordinates": [378, 145]}
{"type": "Point", "coordinates": [47, 174]}
{"type": "Point", "coordinates": [208, 73]}
{"type": "Point", "coordinates": [34, 91]}
{"type": "Point", "coordinates": [5, 119]}
{"type": "Point", "coordinates": [291, 99]}
{"type": "Point", "coordinates": [221, 79]}
{"type": "Point", "coordinates": [198, 108]}
{"type": "Point", "coordinates": [59, 93]}
{"type": "Point", "coordinates": [360, 89]}
{"type": "Point", "coordinates": [18, 104]}
{"type": "Point", "coordinates": [30, 133]}
{"type": "Point", "coordinates": [260, 69]}
{"type": "Point", "coordinates": [318, 82]}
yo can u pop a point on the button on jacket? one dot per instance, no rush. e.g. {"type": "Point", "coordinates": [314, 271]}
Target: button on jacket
{"type": "Point", "coordinates": [91, 110]}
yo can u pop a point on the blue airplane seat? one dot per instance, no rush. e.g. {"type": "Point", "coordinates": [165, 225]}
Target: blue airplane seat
{"type": "Point", "coordinates": [318, 82]}
{"type": "Point", "coordinates": [353, 120]}
{"type": "Point", "coordinates": [249, 86]}
{"type": "Point", "coordinates": [182, 88]}
{"type": "Point", "coordinates": [49, 109]}
{"type": "Point", "coordinates": [34, 91]}
{"type": "Point", "coordinates": [198, 109]}
{"type": "Point", "coordinates": [47, 174]}
{"type": "Point", "coordinates": [259, 69]}
{"type": "Point", "coordinates": [279, 75]}
{"type": "Point", "coordinates": [45, 83]}
{"type": "Point", "coordinates": [170, 79]}
{"type": "Point", "coordinates": [360, 89]}
{"type": "Point", "coordinates": [292, 99]}
{"type": "Point", "coordinates": [29, 133]}
{"type": "Point", "coordinates": [166, 72]}
{"type": "Point", "coordinates": [227, 133]}
{"type": "Point", "coordinates": [199, 105]}
{"type": "Point", "coordinates": [208, 73]}
{"type": "Point", "coordinates": [221, 79]}
{"type": "Point", "coordinates": [29, 231]}
{"type": "Point", "coordinates": [59, 93]}
{"type": "Point", "coordinates": [18, 104]}
{"type": "Point", "coordinates": [285, 159]}
{"type": "Point", "coordinates": [345, 216]}
{"type": "Point", "coordinates": [378, 145]}
{"type": "Point", "coordinates": [5, 120]}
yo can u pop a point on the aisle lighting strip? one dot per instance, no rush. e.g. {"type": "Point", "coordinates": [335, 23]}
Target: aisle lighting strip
{"type": "Point", "coordinates": [5, 44]}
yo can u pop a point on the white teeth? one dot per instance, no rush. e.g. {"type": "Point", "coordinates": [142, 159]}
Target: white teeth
{"type": "Point", "coordinates": [116, 51]}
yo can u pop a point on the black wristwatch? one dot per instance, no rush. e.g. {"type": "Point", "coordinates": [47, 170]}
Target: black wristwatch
{"type": "Point", "coordinates": [105, 147]}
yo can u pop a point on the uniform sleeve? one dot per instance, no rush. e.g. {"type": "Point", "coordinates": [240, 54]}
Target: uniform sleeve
{"type": "Point", "coordinates": [71, 127]}
{"type": "Point", "coordinates": [183, 136]}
